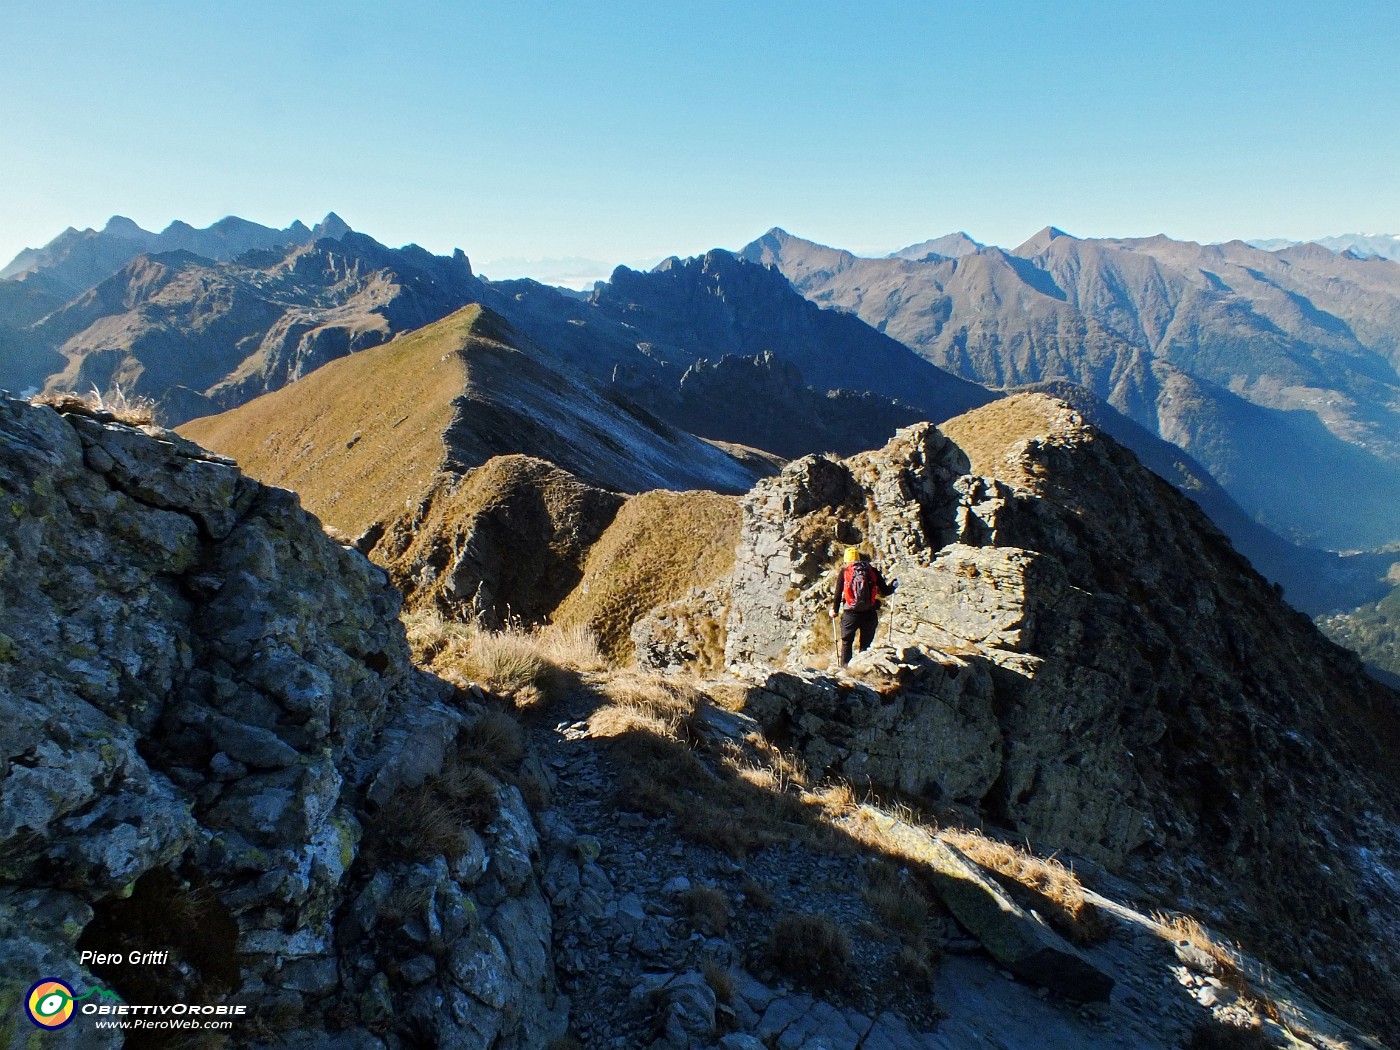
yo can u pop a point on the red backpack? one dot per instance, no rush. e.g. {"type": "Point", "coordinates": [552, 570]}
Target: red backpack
{"type": "Point", "coordinates": [858, 589]}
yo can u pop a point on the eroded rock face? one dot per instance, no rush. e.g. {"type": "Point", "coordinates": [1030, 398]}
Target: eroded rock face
{"type": "Point", "coordinates": [1155, 703]}
{"type": "Point", "coordinates": [204, 704]}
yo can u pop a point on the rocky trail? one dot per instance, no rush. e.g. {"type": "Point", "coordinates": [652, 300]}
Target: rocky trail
{"type": "Point", "coordinates": [645, 965]}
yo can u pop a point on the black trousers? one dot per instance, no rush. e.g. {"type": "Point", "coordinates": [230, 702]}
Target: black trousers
{"type": "Point", "coordinates": [857, 623]}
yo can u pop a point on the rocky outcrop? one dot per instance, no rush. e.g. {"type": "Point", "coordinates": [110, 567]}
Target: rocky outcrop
{"type": "Point", "coordinates": [1156, 707]}
{"type": "Point", "coordinates": [929, 729]}
{"type": "Point", "coordinates": [213, 743]}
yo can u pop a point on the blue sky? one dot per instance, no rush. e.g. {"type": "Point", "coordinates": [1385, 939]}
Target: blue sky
{"type": "Point", "coordinates": [624, 131]}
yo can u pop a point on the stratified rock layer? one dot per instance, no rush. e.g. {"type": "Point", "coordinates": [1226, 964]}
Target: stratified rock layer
{"type": "Point", "coordinates": [206, 706]}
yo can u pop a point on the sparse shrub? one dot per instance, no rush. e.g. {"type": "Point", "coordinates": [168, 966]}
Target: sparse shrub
{"type": "Point", "coordinates": [472, 791]}
{"type": "Point", "coordinates": [757, 894]}
{"type": "Point", "coordinates": [430, 635]}
{"type": "Point", "coordinates": [720, 980]}
{"type": "Point", "coordinates": [837, 799]}
{"type": "Point", "coordinates": [707, 908]}
{"type": "Point", "coordinates": [674, 703]}
{"type": "Point", "coordinates": [517, 664]}
{"type": "Point", "coordinates": [915, 965]}
{"type": "Point", "coordinates": [117, 406]}
{"type": "Point", "coordinates": [406, 900]}
{"type": "Point", "coordinates": [898, 903]}
{"type": "Point", "coordinates": [494, 741]}
{"type": "Point", "coordinates": [810, 949]}
{"type": "Point", "coordinates": [1228, 962]}
{"type": "Point", "coordinates": [509, 661]}
{"type": "Point", "coordinates": [574, 647]}
{"type": "Point", "coordinates": [431, 821]}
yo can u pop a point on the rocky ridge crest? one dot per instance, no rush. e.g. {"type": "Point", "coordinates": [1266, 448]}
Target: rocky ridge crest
{"type": "Point", "coordinates": [1076, 653]}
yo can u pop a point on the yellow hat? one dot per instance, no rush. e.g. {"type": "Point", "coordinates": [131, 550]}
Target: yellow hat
{"type": "Point", "coordinates": [852, 554]}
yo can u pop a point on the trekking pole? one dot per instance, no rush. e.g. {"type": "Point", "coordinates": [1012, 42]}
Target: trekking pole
{"type": "Point", "coordinates": [889, 638]}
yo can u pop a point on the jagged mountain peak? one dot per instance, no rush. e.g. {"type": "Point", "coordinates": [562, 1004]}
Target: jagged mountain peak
{"type": "Point", "coordinates": [332, 227]}
{"type": "Point", "coordinates": [78, 260]}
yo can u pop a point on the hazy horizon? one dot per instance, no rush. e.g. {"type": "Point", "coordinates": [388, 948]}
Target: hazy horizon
{"type": "Point", "coordinates": [633, 131]}
{"type": "Point", "coordinates": [581, 272]}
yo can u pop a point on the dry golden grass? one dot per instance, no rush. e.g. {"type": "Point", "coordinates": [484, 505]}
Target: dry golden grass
{"type": "Point", "coordinates": [986, 434]}
{"type": "Point", "coordinates": [754, 796]}
{"type": "Point", "coordinates": [135, 411]}
{"type": "Point", "coordinates": [673, 702]}
{"type": "Point", "coordinates": [707, 908]}
{"type": "Point", "coordinates": [493, 741]}
{"type": "Point", "coordinates": [660, 545]}
{"type": "Point", "coordinates": [431, 821]}
{"type": "Point", "coordinates": [572, 646]}
{"type": "Point", "coordinates": [720, 980]}
{"type": "Point", "coordinates": [527, 667]}
{"type": "Point", "coordinates": [356, 448]}
{"type": "Point", "coordinates": [1054, 885]}
{"type": "Point", "coordinates": [1228, 961]}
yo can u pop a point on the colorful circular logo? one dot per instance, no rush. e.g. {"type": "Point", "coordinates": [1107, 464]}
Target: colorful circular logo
{"type": "Point", "coordinates": [50, 1004]}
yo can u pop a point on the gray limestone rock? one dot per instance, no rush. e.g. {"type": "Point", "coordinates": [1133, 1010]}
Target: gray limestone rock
{"type": "Point", "coordinates": [200, 689]}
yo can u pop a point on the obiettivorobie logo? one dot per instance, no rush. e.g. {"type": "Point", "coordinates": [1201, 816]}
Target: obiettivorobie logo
{"type": "Point", "coordinates": [50, 1003]}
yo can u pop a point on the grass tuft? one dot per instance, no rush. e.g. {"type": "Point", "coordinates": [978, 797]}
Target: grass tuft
{"type": "Point", "coordinates": [810, 949]}
{"type": "Point", "coordinates": [135, 411]}
{"type": "Point", "coordinates": [494, 741]}
{"type": "Point", "coordinates": [720, 980]}
{"type": "Point", "coordinates": [528, 667]}
{"type": "Point", "coordinates": [707, 909]}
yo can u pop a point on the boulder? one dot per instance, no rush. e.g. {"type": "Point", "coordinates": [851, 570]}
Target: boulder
{"type": "Point", "coordinates": [1018, 939]}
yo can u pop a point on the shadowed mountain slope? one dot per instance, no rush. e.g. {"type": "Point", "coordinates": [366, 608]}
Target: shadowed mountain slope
{"type": "Point", "coordinates": [660, 336]}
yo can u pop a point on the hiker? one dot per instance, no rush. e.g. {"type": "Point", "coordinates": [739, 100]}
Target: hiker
{"type": "Point", "coordinates": [859, 588]}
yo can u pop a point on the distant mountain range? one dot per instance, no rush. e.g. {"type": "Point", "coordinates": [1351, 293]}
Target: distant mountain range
{"type": "Point", "coordinates": [1207, 361]}
{"type": "Point", "coordinates": [1275, 370]}
{"type": "Point", "coordinates": [1363, 245]}
{"type": "Point", "coordinates": [199, 334]}
{"type": "Point", "coordinates": [77, 259]}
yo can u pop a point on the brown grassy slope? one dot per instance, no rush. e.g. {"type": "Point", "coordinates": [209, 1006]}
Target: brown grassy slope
{"type": "Point", "coordinates": [360, 437]}
{"type": "Point", "coordinates": [505, 542]}
{"type": "Point", "coordinates": [660, 545]}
